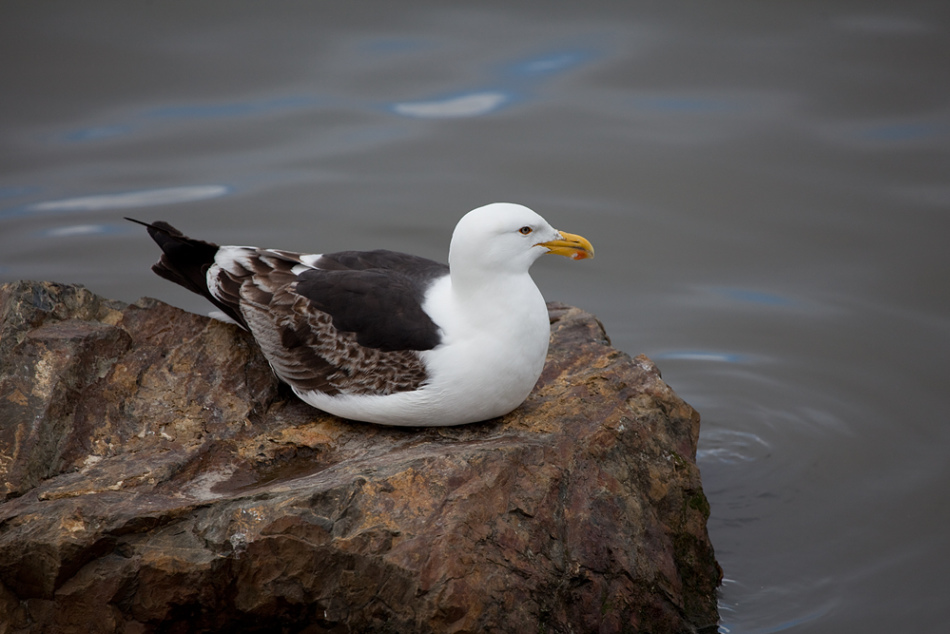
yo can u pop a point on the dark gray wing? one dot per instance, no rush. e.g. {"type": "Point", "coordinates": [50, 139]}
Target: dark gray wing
{"type": "Point", "coordinates": [349, 322]}
{"type": "Point", "coordinates": [381, 303]}
{"type": "Point", "coordinates": [340, 329]}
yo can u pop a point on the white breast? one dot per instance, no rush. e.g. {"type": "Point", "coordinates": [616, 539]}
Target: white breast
{"type": "Point", "coordinates": [490, 358]}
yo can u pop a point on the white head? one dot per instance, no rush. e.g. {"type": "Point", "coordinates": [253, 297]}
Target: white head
{"type": "Point", "coordinates": [507, 238]}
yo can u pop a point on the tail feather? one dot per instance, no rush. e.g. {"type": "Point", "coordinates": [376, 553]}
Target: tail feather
{"type": "Point", "coordinates": [185, 261]}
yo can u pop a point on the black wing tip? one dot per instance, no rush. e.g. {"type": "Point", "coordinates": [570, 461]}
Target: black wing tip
{"type": "Point", "coordinates": [158, 226]}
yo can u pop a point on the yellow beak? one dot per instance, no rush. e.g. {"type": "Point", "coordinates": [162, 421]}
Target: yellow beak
{"type": "Point", "coordinates": [571, 246]}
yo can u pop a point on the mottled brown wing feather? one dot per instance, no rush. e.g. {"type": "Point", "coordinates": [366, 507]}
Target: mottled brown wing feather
{"type": "Point", "coordinates": [300, 340]}
{"type": "Point", "coordinates": [355, 327]}
{"type": "Point", "coordinates": [308, 352]}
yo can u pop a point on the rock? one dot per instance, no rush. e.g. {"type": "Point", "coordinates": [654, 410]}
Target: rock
{"type": "Point", "coordinates": [157, 478]}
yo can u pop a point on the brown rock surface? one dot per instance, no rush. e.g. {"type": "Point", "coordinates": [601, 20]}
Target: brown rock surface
{"type": "Point", "coordinates": [156, 478]}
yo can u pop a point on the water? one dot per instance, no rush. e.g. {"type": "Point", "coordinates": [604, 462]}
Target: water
{"type": "Point", "coordinates": [766, 185]}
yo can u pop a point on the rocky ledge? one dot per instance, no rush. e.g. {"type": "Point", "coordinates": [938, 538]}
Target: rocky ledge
{"type": "Point", "coordinates": [157, 478]}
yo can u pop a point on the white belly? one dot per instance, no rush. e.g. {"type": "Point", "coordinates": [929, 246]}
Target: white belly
{"type": "Point", "coordinates": [490, 359]}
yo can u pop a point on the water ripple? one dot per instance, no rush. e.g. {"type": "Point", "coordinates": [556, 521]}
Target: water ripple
{"type": "Point", "coordinates": [701, 355]}
{"type": "Point", "coordinates": [751, 296]}
{"type": "Point", "coordinates": [139, 198]}
{"type": "Point", "coordinates": [730, 446]}
{"type": "Point", "coordinates": [510, 82]}
{"type": "Point", "coordinates": [78, 230]}
{"type": "Point", "coordinates": [465, 105]}
{"type": "Point", "coordinates": [550, 63]}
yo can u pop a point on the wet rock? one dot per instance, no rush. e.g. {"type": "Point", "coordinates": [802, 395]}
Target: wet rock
{"type": "Point", "coordinates": [157, 478]}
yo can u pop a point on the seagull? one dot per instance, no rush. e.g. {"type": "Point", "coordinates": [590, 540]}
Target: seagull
{"type": "Point", "coordinates": [385, 337]}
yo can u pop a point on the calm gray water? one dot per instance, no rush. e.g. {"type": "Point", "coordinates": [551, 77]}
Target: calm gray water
{"type": "Point", "coordinates": [767, 186]}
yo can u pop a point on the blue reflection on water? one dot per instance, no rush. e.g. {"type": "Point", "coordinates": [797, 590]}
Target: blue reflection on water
{"type": "Point", "coordinates": [17, 192]}
{"type": "Point", "coordinates": [72, 231]}
{"type": "Point", "coordinates": [505, 87]}
{"type": "Point", "coordinates": [753, 296]}
{"type": "Point", "coordinates": [96, 133]}
{"type": "Point", "coordinates": [120, 200]}
{"type": "Point", "coordinates": [235, 109]}
{"type": "Point", "coordinates": [688, 105]}
{"type": "Point", "coordinates": [551, 63]}
{"type": "Point", "coordinates": [509, 86]}
{"type": "Point", "coordinates": [187, 112]}
{"type": "Point", "coordinates": [897, 132]}
{"type": "Point", "coordinates": [132, 199]}
{"type": "Point", "coordinates": [726, 627]}
{"type": "Point", "coordinates": [701, 355]}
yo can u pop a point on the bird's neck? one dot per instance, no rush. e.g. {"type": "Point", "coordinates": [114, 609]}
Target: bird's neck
{"type": "Point", "coordinates": [499, 296]}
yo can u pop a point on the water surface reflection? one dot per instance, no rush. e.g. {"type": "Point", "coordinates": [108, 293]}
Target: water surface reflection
{"type": "Point", "coordinates": [766, 186]}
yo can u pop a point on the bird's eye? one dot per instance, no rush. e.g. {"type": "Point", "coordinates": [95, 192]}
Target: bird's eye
{"type": "Point", "coordinates": [525, 230]}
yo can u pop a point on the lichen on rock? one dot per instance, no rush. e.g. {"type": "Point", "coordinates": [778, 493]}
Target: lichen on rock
{"type": "Point", "coordinates": [156, 477]}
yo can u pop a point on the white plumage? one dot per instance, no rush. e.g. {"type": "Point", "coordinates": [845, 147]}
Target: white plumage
{"type": "Point", "coordinates": [389, 338]}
